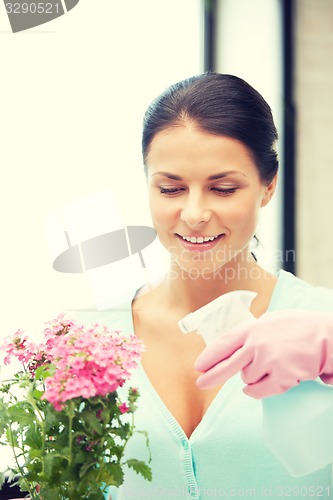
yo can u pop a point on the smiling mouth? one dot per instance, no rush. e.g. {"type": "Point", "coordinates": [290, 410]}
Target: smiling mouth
{"type": "Point", "coordinates": [200, 239]}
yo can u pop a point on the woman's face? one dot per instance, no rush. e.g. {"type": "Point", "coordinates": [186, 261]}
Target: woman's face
{"type": "Point", "coordinates": [205, 194]}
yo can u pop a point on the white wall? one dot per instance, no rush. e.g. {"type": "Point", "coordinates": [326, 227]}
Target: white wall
{"type": "Point", "coordinates": [314, 111]}
{"type": "Point", "coordinates": [73, 93]}
{"type": "Point", "coordinates": [249, 46]}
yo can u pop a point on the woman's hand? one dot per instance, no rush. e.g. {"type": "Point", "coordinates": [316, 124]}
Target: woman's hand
{"type": "Point", "coordinates": [273, 353]}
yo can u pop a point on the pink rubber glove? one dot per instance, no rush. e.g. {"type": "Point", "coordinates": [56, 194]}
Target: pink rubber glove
{"type": "Point", "coordinates": [274, 353]}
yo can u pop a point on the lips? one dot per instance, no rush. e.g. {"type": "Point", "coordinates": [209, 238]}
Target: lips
{"type": "Point", "coordinates": [199, 239]}
{"type": "Point", "coordinates": [199, 243]}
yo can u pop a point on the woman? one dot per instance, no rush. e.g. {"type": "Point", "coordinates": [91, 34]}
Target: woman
{"type": "Point", "coordinates": [211, 165]}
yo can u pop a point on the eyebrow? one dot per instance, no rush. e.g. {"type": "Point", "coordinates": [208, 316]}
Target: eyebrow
{"type": "Point", "coordinates": [214, 177]}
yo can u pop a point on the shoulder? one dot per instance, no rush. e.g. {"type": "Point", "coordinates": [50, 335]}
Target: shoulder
{"type": "Point", "coordinates": [117, 318]}
{"type": "Point", "coordinates": [292, 292]}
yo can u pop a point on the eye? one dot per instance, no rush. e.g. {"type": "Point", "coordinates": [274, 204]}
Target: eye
{"type": "Point", "coordinates": [170, 191]}
{"type": "Point", "coordinates": [224, 191]}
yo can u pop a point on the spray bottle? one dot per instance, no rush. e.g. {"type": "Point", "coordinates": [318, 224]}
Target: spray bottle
{"type": "Point", "coordinates": [298, 424]}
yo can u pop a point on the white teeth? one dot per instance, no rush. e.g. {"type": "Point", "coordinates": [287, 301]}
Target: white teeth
{"type": "Point", "coordinates": [200, 239]}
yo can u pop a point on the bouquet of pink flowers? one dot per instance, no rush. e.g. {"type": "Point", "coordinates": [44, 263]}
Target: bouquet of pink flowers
{"type": "Point", "coordinates": [61, 413]}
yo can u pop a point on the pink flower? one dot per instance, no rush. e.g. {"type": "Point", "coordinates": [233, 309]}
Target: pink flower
{"type": "Point", "coordinates": [89, 362]}
{"type": "Point", "coordinates": [19, 347]}
{"type": "Point", "coordinates": [123, 408]}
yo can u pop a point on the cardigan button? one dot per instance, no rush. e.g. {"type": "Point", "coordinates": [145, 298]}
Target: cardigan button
{"type": "Point", "coordinates": [185, 444]}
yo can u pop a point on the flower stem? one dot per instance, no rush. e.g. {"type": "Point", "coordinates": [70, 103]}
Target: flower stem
{"type": "Point", "coordinates": [70, 430]}
{"type": "Point", "coordinates": [40, 420]}
{"type": "Point", "coordinates": [129, 435]}
{"type": "Point", "coordinates": [19, 468]}
{"type": "Point", "coordinates": [71, 491]}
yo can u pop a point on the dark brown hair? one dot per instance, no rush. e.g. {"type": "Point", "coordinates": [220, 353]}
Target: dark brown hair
{"type": "Point", "coordinates": [218, 104]}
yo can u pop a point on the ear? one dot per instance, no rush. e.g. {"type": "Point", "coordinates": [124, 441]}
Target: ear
{"type": "Point", "coordinates": [269, 191]}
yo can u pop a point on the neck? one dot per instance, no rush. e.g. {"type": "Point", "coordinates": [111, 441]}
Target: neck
{"type": "Point", "coordinates": [189, 293]}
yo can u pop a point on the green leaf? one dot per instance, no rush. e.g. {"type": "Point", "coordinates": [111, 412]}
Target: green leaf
{"type": "Point", "coordinates": [21, 413]}
{"type": "Point", "coordinates": [34, 438]}
{"type": "Point", "coordinates": [140, 468]}
{"type": "Point", "coordinates": [112, 474]}
{"type": "Point", "coordinates": [22, 483]}
{"type": "Point", "coordinates": [121, 431]}
{"type": "Point", "coordinates": [2, 478]}
{"type": "Point", "coordinates": [51, 493]}
{"type": "Point", "coordinates": [37, 393]}
{"type": "Point", "coordinates": [51, 418]}
{"type": "Point", "coordinates": [52, 466]}
{"type": "Point", "coordinates": [81, 456]}
{"type": "Point", "coordinates": [115, 450]}
{"type": "Point", "coordinates": [70, 474]}
{"type": "Point", "coordinates": [85, 467]}
{"type": "Point", "coordinates": [12, 438]}
{"type": "Point", "coordinates": [33, 453]}
{"type": "Point", "coordinates": [93, 422]}
{"type": "Point", "coordinates": [42, 372]}
{"type": "Point", "coordinates": [34, 467]}
{"type": "Point", "coordinates": [96, 495]}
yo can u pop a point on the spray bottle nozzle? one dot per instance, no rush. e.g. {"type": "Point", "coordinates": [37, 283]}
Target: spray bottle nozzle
{"type": "Point", "coordinates": [219, 315]}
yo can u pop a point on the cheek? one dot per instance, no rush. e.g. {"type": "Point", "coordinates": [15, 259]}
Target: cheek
{"type": "Point", "coordinates": [161, 213]}
{"type": "Point", "coordinates": [243, 213]}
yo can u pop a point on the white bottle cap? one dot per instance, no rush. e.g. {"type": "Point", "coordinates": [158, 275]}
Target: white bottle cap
{"type": "Point", "coordinates": [219, 315]}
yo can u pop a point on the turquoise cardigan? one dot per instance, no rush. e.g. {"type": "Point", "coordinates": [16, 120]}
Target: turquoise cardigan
{"type": "Point", "coordinates": [225, 457]}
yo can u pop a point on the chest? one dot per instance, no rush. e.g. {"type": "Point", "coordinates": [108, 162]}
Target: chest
{"type": "Point", "coordinates": [169, 364]}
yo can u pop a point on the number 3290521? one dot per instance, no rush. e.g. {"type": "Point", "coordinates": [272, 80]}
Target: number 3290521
{"type": "Point", "coordinates": [32, 8]}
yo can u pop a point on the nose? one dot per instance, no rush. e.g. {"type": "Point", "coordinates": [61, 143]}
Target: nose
{"type": "Point", "coordinates": [195, 211]}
